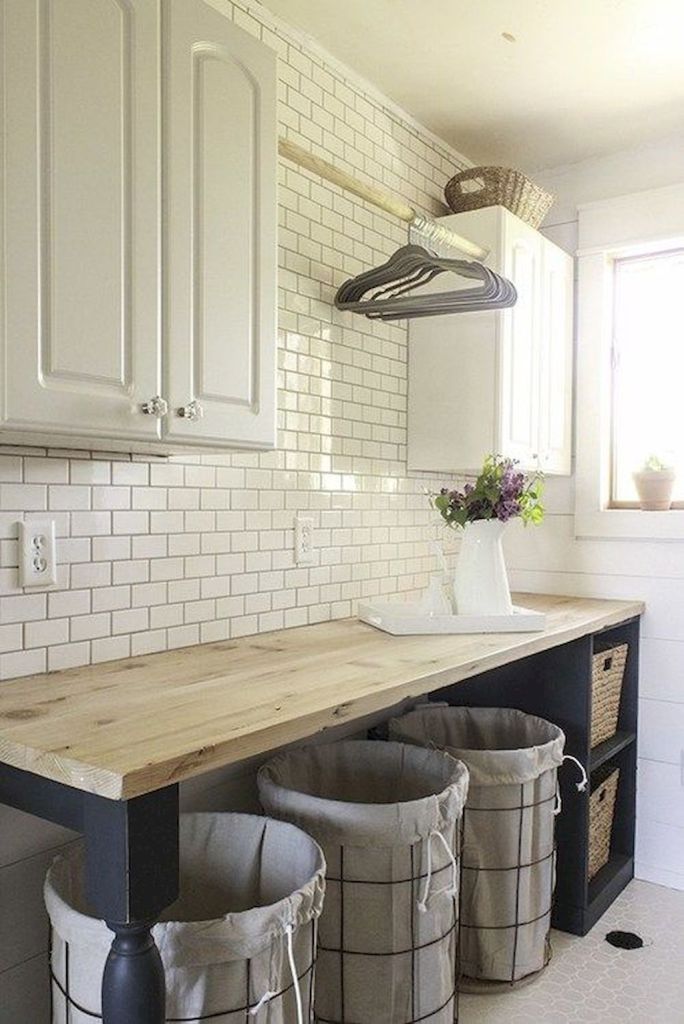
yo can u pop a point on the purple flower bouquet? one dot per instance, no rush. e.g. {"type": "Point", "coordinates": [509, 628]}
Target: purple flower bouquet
{"type": "Point", "coordinates": [502, 491]}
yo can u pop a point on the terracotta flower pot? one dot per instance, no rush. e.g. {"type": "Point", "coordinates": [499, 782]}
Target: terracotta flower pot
{"type": "Point", "coordinates": [654, 487]}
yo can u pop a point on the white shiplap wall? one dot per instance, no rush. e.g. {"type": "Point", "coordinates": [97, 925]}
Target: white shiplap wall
{"type": "Point", "coordinates": [551, 559]}
{"type": "Point", "coordinates": [160, 554]}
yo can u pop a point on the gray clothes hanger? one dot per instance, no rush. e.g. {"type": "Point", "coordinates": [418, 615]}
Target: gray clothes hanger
{"type": "Point", "coordinates": [384, 293]}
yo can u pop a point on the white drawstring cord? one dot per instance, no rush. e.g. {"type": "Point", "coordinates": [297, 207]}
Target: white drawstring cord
{"type": "Point", "coordinates": [581, 785]}
{"type": "Point", "coordinates": [450, 890]}
{"type": "Point", "coordinates": [268, 996]}
{"type": "Point", "coordinates": [293, 970]}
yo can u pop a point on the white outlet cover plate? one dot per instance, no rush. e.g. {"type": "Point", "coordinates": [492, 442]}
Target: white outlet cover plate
{"type": "Point", "coordinates": [304, 540]}
{"type": "Point", "coordinates": [37, 553]}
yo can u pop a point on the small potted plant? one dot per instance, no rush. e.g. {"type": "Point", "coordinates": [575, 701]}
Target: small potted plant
{"type": "Point", "coordinates": [654, 484]}
{"type": "Point", "coordinates": [501, 492]}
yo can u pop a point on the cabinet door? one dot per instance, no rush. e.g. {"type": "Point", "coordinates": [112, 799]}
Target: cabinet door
{"type": "Point", "coordinates": [80, 211]}
{"type": "Point", "coordinates": [519, 347]}
{"type": "Point", "coordinates": [219, 146]}
{"type": "Point", "coordinates": [556, 343]}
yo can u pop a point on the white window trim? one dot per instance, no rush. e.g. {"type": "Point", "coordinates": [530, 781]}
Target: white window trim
{"type": "Point", "coordinates": [609, 229]}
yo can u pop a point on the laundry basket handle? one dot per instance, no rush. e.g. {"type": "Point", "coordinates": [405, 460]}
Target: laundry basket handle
{"type": "Point", "coordinates": [293, 970]}
{"type": "Point", "coordinates": [581, 785]}
{"type": "Point", "coordinates": [269, 995]}
{"type": "Point", "coordinates": [451, 890]}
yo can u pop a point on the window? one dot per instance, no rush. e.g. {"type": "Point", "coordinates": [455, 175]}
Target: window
{"type": "Point", "coordinates": [630, 360]}
{"type": "Point", "coordinates": [647, 397]}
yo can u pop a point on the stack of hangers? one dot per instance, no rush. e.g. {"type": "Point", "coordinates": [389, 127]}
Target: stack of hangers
{"type": "Point", "coordinates": [384, 293]}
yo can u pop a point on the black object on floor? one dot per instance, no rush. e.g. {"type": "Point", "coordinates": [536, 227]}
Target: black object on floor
{"type": "Point", "coordinates": [625, 940]}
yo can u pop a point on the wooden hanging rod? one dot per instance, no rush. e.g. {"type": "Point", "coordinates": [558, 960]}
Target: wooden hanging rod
{"type": "Point", "coordinates": [390, 204]}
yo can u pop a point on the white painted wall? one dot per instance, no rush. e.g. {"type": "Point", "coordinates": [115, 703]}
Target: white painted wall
{"type": "Point", "coordinates": [551, 559]}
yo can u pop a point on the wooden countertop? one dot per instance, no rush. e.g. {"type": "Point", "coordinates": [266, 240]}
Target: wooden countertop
{"type": "Point", "coordinates": [128, 727]}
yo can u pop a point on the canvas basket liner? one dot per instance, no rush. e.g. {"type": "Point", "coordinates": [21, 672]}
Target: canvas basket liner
{"type": "Point", "coordinates": [376, 809]}
{"type": "Point", "coordinates": [244, 879]}
{"type": "Point", "coordinates": [508, 869]}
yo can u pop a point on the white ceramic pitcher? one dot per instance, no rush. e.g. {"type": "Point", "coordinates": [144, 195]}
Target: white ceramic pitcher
{"type": "Point", "coordinates": [481, 584]}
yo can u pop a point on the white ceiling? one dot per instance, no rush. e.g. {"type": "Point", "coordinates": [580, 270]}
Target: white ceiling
{"type": "Point", "coordinates": [582, 78]}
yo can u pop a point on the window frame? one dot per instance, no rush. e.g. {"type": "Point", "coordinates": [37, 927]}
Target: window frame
{"type": "Point", "coordinates": [669, 250]}
{"type": "Point", "coordinates": [630, 225]}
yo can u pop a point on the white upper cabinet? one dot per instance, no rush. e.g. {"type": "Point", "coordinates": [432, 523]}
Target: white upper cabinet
{"type": "Point", "coordinates": [81, 201]}
{"type": "Point", "coordinates": [497, 381]}
{"type": "Point", "coordinates": [220, 230]}
{"type": "Point", "coordinates": [123, 305]}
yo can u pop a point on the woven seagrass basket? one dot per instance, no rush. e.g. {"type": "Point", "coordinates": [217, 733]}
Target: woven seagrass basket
{"type": "Point", "coordinates": [607, 673]}
{"type": "Point", "coordinates": [498, 186]}
{"type": "Point", "coordinates": [601, 815]}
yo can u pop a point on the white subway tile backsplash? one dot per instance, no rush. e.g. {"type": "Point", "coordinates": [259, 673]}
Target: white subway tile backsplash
{"type": "Point", "coordinates": [162, 616]}
{"type": "Point", "coordinates": [109, 648]}
{"type": "Point", "coordinates": [46, 632]}
{"type": "Point", "coordinates": [11, 468]}
{"type": "Point", "coordinates": [149, 642]}
{"type": "Point", "coordinates": [168, 522]}
{"type": "Point", "coordinates": [149, 546]}
{"type": "Point", "coordinates": [130, 522]}
{"type": "Point", "coordinates": [46, 471]}
{"type": "Point", "coordinates": [149, 497]}
{"type": "Point", "coordinates": [91, 574]}
{"type": "Point", "coordinates": [130, 571]}
{"type": "Point", "coordinates": [111, 598]}
{"type": "Point", "coordinates": [27, 497]}
{"type": "Point", "coordinates": [107, 549]}
{"type": "Point", "coordinates": [130, 474]}
{"type": "Point", "coordinates": [23, 663]}
{"type": "Point", "coordinates": [130, 621]}
{"type": "Point", "coordinates": [68, 656]}
{"type": "Point", "coordinates": [10, 637]}
{"type": "Point", "coordinates": [68, 497]}
{"type": "Point", "coordinates": [183, 636]}
{"type": "Point", "coordinates": [88, 627]}
{"type": "Point", "coordinates": [111, 497]}
{"type": "Point", "coordinates": [145, 594]}
{"type": "Point", "coordinates": [90, 471]}
{"type": "Point", "coordinates": [22, 608]}
{"type": "Point", "coordinates": [90, 524]}
{"type": "Point", "coordinates": [167, 475]}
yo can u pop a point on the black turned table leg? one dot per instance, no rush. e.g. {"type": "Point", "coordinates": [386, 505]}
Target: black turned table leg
{"type": "Point", "coordinates": [131, 876]}
{"type": "Point", "coordinates": [133, 984]}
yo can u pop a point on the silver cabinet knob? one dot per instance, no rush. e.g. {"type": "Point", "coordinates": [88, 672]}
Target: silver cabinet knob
{"type": "Point", "coordinates": [192, 411]}
{"type": "Point", "coordinates": [156, 406]}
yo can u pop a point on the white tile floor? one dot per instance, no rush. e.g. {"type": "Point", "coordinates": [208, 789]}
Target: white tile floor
{"type": "Point", "coordinates": [590, 982]}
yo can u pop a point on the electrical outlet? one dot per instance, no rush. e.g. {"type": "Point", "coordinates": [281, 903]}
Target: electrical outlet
{"type": "Point", "coordinates": [37, 553]}
{"type": "Point", "coordinates": [304, 540]}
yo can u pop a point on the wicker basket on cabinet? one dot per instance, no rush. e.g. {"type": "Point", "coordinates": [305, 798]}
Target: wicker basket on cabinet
{"type": "Point", "coordinates": [498, 186]}
{"type": "Point", "coordinates": [608, 670]}
{"type": "Point", "coordinates": [601, 815]}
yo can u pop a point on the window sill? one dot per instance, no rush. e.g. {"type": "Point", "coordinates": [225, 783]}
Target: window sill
{"type": "Point", "coordinates": [630, 524]}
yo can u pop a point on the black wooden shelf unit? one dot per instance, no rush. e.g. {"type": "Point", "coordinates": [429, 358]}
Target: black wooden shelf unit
{"type": "Point", "coordinates": [556, 684]}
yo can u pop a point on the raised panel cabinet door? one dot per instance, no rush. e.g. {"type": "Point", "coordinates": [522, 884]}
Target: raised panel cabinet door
{"type": "Point", "coordinates": [556, 348]}
{"type": "Point", "coordinates": [80, 214]}
{"type": "Point", "coordinates": [219, 153]}
{"type": "Point", "coordinates": [519, 347]}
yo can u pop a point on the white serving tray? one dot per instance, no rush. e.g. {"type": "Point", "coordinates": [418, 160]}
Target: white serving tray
{"type": "Point", "coordinates": [405, 618]}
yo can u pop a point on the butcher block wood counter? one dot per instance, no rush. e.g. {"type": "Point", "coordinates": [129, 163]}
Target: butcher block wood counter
{"type": "Point", "coordinates": [127, 728]}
